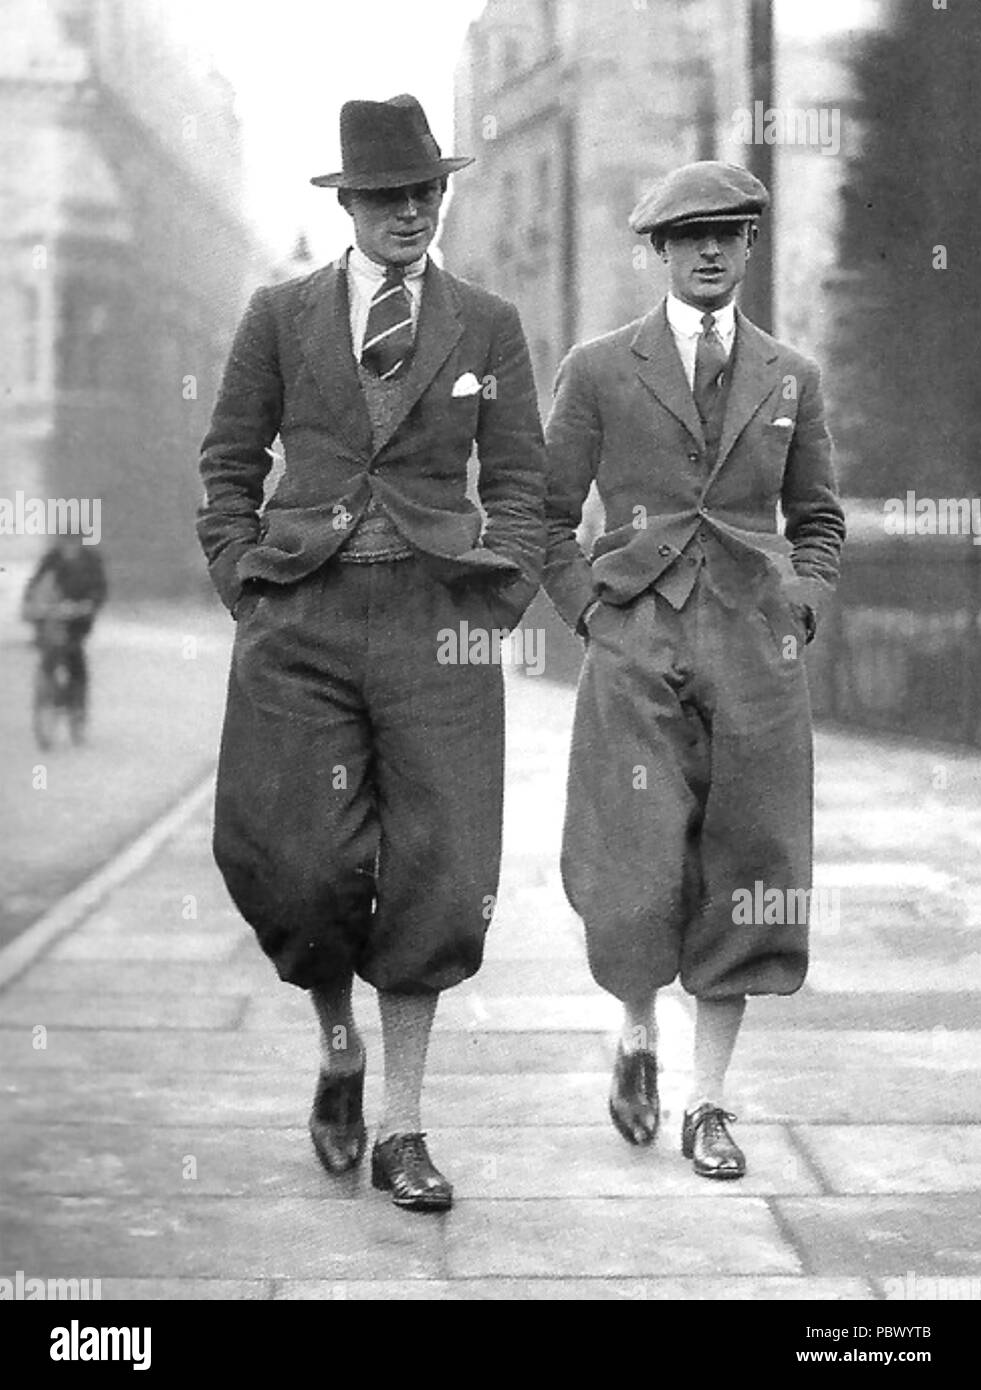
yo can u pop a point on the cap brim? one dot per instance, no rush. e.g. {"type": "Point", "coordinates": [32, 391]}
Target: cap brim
{"type": "Point", "coordinates": [393, 178]}
{"type": "Point", "coordinates": [707, 218]}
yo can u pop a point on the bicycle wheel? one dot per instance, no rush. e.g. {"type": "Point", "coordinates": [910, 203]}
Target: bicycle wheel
{"type": "Point", "coordinates": [77, 719]}
{"type": "Point", "coordinates": [44, 713]}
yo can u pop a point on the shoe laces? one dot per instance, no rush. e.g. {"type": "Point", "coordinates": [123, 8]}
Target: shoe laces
{"type": "Point", "coordinates": [413, 1147]}
{"type": "Point", "coordinates": [714, 1120]}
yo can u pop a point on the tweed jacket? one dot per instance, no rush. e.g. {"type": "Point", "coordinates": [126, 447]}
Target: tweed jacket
{"type": "Point", "coordinates": [291, 372]}
{"type": "Point", "coordinates": [624, 417]}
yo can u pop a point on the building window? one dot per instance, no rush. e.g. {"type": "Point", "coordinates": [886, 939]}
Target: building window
{"type": "Point", "coordinates": [509, 210]}
{"type": "Point", "coordinates": [83, 338]}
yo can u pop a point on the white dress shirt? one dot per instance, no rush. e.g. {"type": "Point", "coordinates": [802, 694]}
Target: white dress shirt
{"type": "Point", "coordinates": [364, 278]}
{"type": "Point", "coordinates": [685, 321]}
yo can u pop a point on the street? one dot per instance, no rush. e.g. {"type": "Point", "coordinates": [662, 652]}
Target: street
{"type": "Point", "coordinates": [157, 676]}
{"type": "Point", "coordinates": [157, 1080]}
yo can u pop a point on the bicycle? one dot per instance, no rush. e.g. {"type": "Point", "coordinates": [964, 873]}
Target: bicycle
{"type": "Point", "coordinates": [60, 681]}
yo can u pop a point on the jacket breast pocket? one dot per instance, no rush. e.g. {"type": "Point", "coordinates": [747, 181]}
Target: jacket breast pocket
{"type": "Point", "coordinates": [774, 448]}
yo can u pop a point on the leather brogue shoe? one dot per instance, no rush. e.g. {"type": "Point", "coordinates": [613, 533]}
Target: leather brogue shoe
{"type": "Point", "coordinates": [634, 1105]}
{"type": "Point", "coordinates": [401, 1165]}
{"type": "Point", "coordinates": [337, 1121]}
{"type": "Point", "coordinates": [706, 1139]}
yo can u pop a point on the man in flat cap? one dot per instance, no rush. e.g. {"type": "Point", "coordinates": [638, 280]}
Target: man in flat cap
{"type": "Point", "coordinates": [690, 780]}
{"type": "Point", "coordinates": [358, 811]}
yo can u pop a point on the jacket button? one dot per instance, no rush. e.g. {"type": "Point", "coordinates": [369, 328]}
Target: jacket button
{"type": "Point", "coordinates": [664, 550]}
{"type": "Point", "coordinates": [693, 458]}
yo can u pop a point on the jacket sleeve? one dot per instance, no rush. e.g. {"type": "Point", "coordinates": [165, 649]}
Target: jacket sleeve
{"type": "Point", "coordinates": [574, 436]}
{"type": "Point", "coordinates": [511, 453]}
{"type": "Point", "coordinates": [234, 454]}
{"type": "Point", "coordinates": [814, 521]}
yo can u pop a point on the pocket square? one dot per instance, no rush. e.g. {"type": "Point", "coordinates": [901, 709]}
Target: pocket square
{"type": "Point", "coordinates": [466, 385]}
{"type": "Point", "coordinates": [784, 423]}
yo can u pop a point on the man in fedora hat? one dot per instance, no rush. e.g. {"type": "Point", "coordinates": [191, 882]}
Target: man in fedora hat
{"type": "Point", "coordinates": [358, 809]}
{"type": "Point", "coordinates": [690, 784]}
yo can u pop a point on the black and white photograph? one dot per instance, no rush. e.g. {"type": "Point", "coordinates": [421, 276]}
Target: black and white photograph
{"type": "Point", "coordinates": [490, 666]}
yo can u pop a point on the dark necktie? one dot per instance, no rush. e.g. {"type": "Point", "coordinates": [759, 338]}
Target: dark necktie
{"type": "Point", "coordinates": [388, 332]}
{"type": "Point", "coordinates": [710, 361]}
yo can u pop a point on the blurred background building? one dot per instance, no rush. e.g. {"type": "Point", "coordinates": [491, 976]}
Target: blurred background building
{"type": "Point", "coordinates": [124, 264]}
{"type": "Point", "coordinates": [574, 109]}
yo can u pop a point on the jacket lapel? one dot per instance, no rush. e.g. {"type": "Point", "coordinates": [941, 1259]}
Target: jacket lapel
{"type": "Point", "coordinates": [753, 379]}
{"type": "Point", "coordinates": [324, 326]}
{"type": "Point", "coordinates": [660, 368]}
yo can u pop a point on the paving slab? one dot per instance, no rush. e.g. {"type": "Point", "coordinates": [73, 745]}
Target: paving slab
{"type": "Point", "coordinates": [581, 1162]}
{"type": "Point", "coordinates": [937, 1234]}
{"type": "Point", "coordinates": [952, 1008]}
{"type": "Point", "coordinates": [617, 1236]}
{"type": "Point", "coordinates": [220, 1238]}
{"type": "Point", "coordinates": [145, 978]}
{"type": "Point", "coordinates": [134, 1160]}
{"type": "Point", "coordinates": [740, 1287]}
{"type": "Point", "coordinates": [877, 972]}
{"type": "Point", "coordinates": [467, 1010]}
{"type": "Point", "coordinates": [294, 1049]}
{"type": "Point", "coordinates": [164, 946]}
{"type": "Point", "coordinates": [96, 1096]}
{"type": "Point", "coordinates": [184, 1164]}
{"type": "Point", "coordinates": [857, 1096]}
{"type": "Point", "coordinates": [277, 1097]}
{"type": "Point", "coordinates": [933, 1052]}
{"type": "Point", "coordinates": [186, 1290]}
{"type": "Point", "coordinates": [74, 1009]}
{"type": "Point", "coordinates": [896, 1158]}
{"type": "Point", "coordinates": [929, 1288]}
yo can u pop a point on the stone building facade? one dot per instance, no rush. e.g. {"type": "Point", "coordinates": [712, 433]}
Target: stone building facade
{"type": "Point", "coordinates": [572, 109]}
{"type": "Point", "coordinates": [123, 269]}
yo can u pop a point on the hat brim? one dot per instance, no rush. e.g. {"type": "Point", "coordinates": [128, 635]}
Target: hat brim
{"type": "Point", "coordinates": [393, 178]}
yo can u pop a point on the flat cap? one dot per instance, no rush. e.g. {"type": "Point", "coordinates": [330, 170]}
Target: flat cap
{"type": "Point", "coordinates": [707, 191]}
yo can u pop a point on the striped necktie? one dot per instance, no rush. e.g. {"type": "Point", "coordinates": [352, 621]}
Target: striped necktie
{"type": "Point", "coordinates": [710, 361]}
{"type": "Point", "coordinates": [388, 332]}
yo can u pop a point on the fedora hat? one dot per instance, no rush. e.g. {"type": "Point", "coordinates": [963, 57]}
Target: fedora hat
{"type": "Point", "coordinates": [387, 144]}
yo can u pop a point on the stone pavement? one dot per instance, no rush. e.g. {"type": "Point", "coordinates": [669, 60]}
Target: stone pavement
{"type": "Point", "coordinates": [156, 1080]}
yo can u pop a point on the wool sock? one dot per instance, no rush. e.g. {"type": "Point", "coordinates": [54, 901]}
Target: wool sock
{"type": "Point", "coordinates": [407, 1021]}
{"type": "Point", "coordinates": [717, 1023]}
{"type": "Point", "coordinates": [341, 1048]}
{"type": "Point", "coordinates": [639, 1030]}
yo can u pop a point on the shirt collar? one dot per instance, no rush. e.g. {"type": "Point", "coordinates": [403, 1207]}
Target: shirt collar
{"type": "Point", "coordinates": [686, 319]}
{"type": "Point", "coordinates": [367, 269]}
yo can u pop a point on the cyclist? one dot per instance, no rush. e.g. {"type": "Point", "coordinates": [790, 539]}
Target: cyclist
{"type": "Point", "coordinates": [69, 583]}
